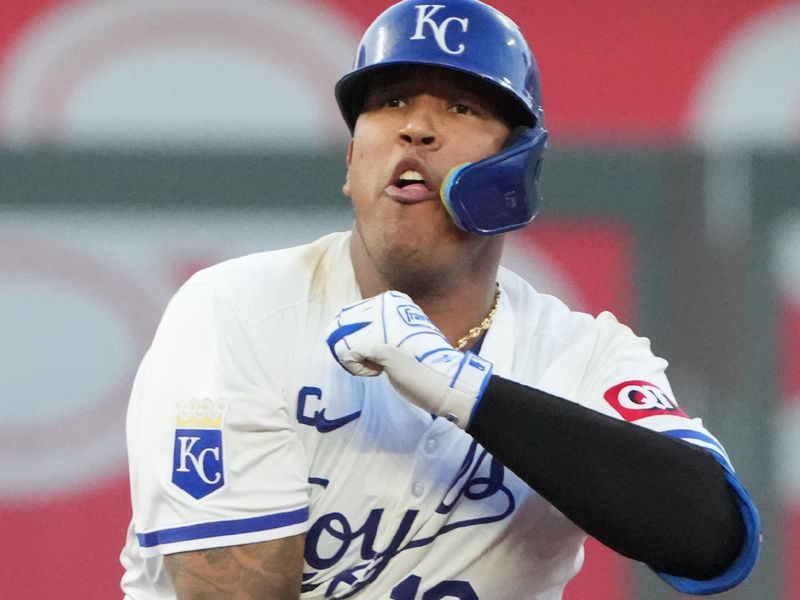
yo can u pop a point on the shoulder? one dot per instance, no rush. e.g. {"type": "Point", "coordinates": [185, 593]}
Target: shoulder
{"type": "Point", "coordinates": [539, 314]}
{"type": "Point", "coordinates": [543, 325]}
{"type": "Point", "coordinates": [574, 354]}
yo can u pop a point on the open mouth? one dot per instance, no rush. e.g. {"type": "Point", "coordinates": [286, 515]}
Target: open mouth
{"type": "Point", "coordinates": [411, 183]}
{"type": "Point", "coordinates": [411, 178]}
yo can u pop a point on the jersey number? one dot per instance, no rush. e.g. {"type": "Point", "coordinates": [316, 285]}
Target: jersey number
{"type": "Point", "coordinates": [407, 590]}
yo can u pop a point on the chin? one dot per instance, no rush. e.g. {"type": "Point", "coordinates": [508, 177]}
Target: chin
{"type": "Point", "coordinates": [417, 251]}
{"type": "Point", "coordinates": [416, 242]}
{"type": "Point", "coordinates": [414, 265]}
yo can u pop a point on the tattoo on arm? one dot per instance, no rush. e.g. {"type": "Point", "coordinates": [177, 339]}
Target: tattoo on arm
{"type": "Point", "coordinates": [262, 571]}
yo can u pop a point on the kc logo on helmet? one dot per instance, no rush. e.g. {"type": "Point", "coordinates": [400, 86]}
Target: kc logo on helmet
{"type": "Point", "coordinates": [425, 13]}
{"type": "Point", "coordinates": [639, 399]}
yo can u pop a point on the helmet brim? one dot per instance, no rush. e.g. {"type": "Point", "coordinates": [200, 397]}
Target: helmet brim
{"type": "Point", "coordinates": [351, 91]}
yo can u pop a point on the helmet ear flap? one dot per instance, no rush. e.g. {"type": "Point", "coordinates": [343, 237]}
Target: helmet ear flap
{"type": "Point", "coordinates": [499, 193]}
{"type": "Point", "coordinates": [515, 134]}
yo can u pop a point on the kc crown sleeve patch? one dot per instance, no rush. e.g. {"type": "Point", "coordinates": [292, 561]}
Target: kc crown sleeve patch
{"type": "Point", "coordinates": [198, 463]}
{"type": "Point", "coordinates": [636, 400]}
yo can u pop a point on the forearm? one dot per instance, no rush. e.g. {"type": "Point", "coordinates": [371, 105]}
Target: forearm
{"type": "Point", "coordinates": [645, 495]}
{"type": "Point", "coordinates": [260, 571]}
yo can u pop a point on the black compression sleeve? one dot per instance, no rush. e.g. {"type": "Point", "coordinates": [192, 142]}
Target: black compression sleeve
{"type": "Point", "coordinates": [645, 495]}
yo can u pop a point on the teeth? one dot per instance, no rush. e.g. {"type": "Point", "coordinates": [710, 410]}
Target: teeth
{"type": "Point", "coordinates": [410, 175]}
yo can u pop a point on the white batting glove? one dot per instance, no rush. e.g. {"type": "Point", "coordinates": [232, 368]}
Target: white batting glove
{"type": "Point", "coordinates": [390, 333]}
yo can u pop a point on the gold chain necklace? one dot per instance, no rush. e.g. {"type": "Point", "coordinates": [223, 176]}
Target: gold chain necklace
{"type": "Point", "coordinates": [485, 324]}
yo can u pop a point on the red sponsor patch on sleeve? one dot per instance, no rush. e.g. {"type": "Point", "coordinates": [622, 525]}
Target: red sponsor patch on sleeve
{"type": "Point", "coordinates": [636, 400]}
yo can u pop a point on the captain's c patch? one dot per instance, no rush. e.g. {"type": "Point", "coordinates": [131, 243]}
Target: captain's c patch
{"type": "Point", "coordinates": [198, 465]}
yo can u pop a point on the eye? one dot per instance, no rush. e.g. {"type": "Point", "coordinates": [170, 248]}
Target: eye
{"type": "Point", "coordinates": [384, 99]}
{"type": "Point", "coordinates": [462, 109]}
{"type": "Point", "coordinates": [397, 102]}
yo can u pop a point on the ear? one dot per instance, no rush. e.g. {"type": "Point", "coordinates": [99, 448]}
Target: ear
{"type": "Point", "coordinates": [346, 186]}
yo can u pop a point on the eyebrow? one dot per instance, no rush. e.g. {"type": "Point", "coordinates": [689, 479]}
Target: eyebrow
{"type": "Point", "coordinates": [455, 91]}
{"type": "Point", "coordinates": [460, 88]}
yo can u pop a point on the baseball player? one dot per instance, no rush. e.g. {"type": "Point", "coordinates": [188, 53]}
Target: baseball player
{"type": "Point", "coordinates": [388, 413]}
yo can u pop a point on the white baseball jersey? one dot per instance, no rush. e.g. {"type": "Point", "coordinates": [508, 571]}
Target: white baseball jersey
{"type": "Point", "coordinates": [243, 428]}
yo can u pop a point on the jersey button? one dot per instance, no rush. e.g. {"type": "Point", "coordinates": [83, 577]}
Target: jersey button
{"type": "Point", "coordinates": [431, 445]}
{"type": "Point", "coordinates": [418, 488]}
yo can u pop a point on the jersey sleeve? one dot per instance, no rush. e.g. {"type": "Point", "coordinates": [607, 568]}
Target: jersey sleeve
{"type": "Point", "coordinates": [627, 381]}
{"type": "Point", "coordinates": [213, 455]}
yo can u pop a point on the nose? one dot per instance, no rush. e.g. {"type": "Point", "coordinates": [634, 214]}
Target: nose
{"type": "Point", "coordinates": [417, 136]}
{"type": "Point", "coordinates": [419, 128]}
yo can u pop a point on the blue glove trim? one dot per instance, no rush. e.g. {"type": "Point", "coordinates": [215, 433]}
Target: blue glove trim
{"type": "Point", "coordinates": [426, 332]}
{"type": "Point", "coordinates": [746, 560]}
{"type": "Point", "coordinates": [447, 348]}
{"type": "Point", "coordinates": [342, 332]}
{"type": "Point", "coordinates": [460, 368]}
{"type": "Point", "coordinates": [484, 385]}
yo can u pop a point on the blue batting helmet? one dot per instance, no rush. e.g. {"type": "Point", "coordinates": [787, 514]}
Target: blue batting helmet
{"type": "Point", "coordinates": [496, 194]}
{"type": "Point", "coordinates": [463, 35]}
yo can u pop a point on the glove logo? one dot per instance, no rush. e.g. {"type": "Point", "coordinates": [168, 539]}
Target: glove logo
{"type": "Point", "coordinates": [425, 14]}
{"type": "Point", "coordinates": [636, 400]}
{"type": "Point", "coordinates": [197, 461]}
{"type": "Point", "coordinates": [412, 315]}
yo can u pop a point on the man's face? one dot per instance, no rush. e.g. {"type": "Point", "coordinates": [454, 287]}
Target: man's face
{"type": "Point", "coordinates": [415, 126]}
